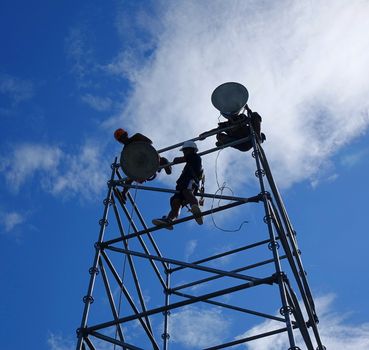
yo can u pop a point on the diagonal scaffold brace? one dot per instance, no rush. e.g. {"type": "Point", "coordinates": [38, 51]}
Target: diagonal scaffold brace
{"type": "Point", "coordinates": [284, 277]}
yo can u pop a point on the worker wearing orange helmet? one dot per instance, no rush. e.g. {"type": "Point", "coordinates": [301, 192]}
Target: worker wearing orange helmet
{"type": "Point", "coordinates": [122, 137]}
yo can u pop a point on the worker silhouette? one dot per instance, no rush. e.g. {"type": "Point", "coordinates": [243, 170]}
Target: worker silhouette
{"type": "Point", "coordinates": [241, 130]}
{"type": "Point", "coordinates": [187, 186]}
{"type": "Point", "coordinates": [121, 136]}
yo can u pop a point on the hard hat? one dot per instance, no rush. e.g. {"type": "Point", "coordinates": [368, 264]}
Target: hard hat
{"type": "Point", "coordinates": [189, 144]}
{"type": "Point", "coordinates": [119, 132]}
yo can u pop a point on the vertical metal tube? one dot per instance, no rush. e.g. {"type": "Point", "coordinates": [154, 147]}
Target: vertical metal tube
{"type": "Point", "coordinates": [111, 302]}
{"type": "Point", "coordinates": [94, 269]}
{"type": "Point", "coordinates": [308, 300]}
{"type": "Point", "coordinates": [273, 242]}
{"type": "Point", "coordinates": [143, 245]}
{"type": "Point", "coordinates": [166, 313]}
{"type": "Point", "coordinates": [129, 299]}
{"type": "Point", "coordinates": [132, 266]}
{"type": "Point", "coordinates": [149, 235]}
{"type": "Point", "coordinates": [141, 219]}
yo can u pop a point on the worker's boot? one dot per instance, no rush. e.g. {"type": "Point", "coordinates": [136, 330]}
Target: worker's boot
{"type": "Point", "coordinates": [197, 213]}
{"type": "Point", "coordinates": [164, 222]}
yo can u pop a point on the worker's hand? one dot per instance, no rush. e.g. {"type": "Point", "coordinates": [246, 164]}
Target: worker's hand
{"type": "Point", "coordinates": [177, 160]}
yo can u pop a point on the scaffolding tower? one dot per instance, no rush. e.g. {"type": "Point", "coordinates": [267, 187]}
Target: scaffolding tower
{"type": "Point", "coordinates": [126, 261]}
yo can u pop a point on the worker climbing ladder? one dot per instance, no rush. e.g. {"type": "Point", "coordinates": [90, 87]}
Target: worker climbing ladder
{"type": "Point", "coordinates": [128, 263]}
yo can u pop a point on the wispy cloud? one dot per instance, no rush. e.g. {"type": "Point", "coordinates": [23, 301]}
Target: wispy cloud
{"type": "Point", "coordinates": [352, 159]}
{"type": "Point", "coordinates": [11, 219]}
{"type": "Point", "coordinates": [190, 248]}
{"type": "Point", "coordinates": [315, 182]}
{"type": "Point", "coordinates": [27, 159]}
{"type": "Point", "coordinates": [311, 92]}
{"type": "Point", "coordinates": [336, 332]}
{"type": "Point", "coordinates": [78, 53]}
{"type": "Point", "coordinates": [58, 342]}
{"type": "Point", "coordinates": [82, 174]}
{"type": "Point", "coordinates": [98, 103]}
{"type": "Point", "coordinates": [63, 174]}
{"type": "Point", "coordinates": [197, 328]}
{"type": "Point", "coordinates": [16, 89]}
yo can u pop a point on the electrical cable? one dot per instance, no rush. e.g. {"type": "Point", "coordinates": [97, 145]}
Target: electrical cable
{"type": "Point", "coordinates": [221, 190]}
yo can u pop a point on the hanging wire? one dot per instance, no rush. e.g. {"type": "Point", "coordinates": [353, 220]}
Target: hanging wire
{"type": "Point", "coordinates": [221, 190]}
{"type": "Point", "coordinates": [124, 266]}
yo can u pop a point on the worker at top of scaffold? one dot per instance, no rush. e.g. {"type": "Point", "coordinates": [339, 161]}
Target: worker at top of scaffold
{"type": "Point", "coordinates": [240, 130]}
{"type": "Point", "coordinates": [122, 137]}
{"type": "Point", "coordinates": [187, 186]}
{"type": "Point", "coordinates": [230, 99]}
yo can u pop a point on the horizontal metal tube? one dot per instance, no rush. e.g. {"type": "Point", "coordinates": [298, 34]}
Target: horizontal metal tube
{"type": "Point", "coordinates": [220, 255]}
{"type": "Point", "coordinates": [244, 340]}
{"type": "Point", "coordinates": [198, 138]}
{"type": "Point", "coordinates": [205, 195]}
{"type": "Point", "coordinates": [212, 278]}
{"type": "Point", "coordinates": [179, 221]}
{"type": "Point", "coordinates": [267, 280]}
{"type": "Point", "coordinates": [235, 308]}
{"type": "Point", "coordinates": [114, 341]}
{"type": "Point", "coordinates": [183, 263]}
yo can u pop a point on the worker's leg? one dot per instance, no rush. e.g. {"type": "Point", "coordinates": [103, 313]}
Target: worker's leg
{"type": "Point", "coordinates": [244, 146]}
{"type": "Point", "coordinates": [175, 207]}
{"type": "Point", "coordinates": [223, 139]}
{"type": "Point", "coordinates": [256, 121]}
{"type": "Point", "coordinates": [190, 198]}
{"type": "Point", "coordinates": [126, 189]}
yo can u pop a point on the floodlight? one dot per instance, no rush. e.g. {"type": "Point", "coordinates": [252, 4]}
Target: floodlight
{"type": "Point", "coordinates": [229, 98]}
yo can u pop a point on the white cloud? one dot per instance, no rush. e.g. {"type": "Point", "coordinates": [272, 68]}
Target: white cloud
{"type": "Point", "coordinates": [57, 342]}
{"type": "Point", "coordinates": [352, 159]}
{"type": "Point", "coordinates": [60, 342]}
{"type": "Point", "coordinates": [83, 173]}
{"type": "Point", "coordinates": [317, 181]}
{"type": "Point", "coordinates": [27, 159]}
{"type": "Point", "coordinates": [190, 248]}
{"type": "Point", "coordinates": [302, 62]}
{"type": "Point", "coordinates": [16, 89]}
{"type": "Point", "coordinates": [198, 328]}
{"type": "Point", "coordinates": [11, 220]}
{"type": "Point", "coordinates": [78, 53]}
{"type": "Point", "coordinates": [98, 103]}
{"type": "Point", "coordinates": [57, 172]}
{"type": "Point", "coordinates": [335, 331]}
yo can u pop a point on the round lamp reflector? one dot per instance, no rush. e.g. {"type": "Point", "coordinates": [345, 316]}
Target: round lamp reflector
{"type": "Point", "coordinates": [139, 161]}
{"type": "Point", "coordinates": [229, 98]}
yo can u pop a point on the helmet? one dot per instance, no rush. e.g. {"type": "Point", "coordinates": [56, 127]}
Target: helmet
{"type": "Point", "coordinates": [118, 133]}
{"type": "Point", "coordinates": [189, 144]}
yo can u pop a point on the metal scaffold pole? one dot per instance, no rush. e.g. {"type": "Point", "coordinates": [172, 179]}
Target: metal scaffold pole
{"type": "Point", "coordinates": [117, 308]}
{"type": "Point", "coordinates": [88, 299]}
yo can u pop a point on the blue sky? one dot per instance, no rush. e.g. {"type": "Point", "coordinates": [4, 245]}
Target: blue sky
{"type": "Point", "coordinates": [70, 73]}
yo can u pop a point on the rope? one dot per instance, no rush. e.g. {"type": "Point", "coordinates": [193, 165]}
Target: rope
{"type": "Point", "coordinates": [221, 190]}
